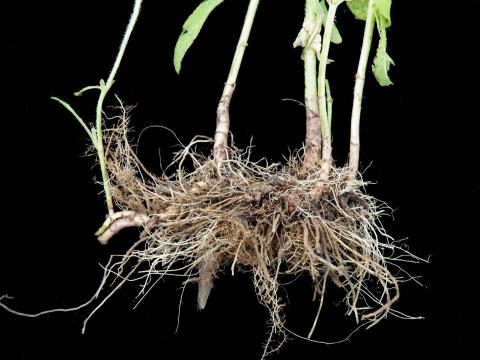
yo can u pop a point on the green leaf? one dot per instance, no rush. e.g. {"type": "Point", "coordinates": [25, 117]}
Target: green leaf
{"type": "Point", "coordinates": [336, 37]}
{"type": "Point", "coordinates": [382, 62]}
{"type": "Point", "coordinates": [358, 8]}
{"type": "Point", "coordinates": [190, 30]}
{"type": "Point", "coordinates": [382, 10]}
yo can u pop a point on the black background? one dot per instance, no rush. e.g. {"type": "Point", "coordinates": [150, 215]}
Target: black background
{"type": "Point", "coordinates": [419, 145]}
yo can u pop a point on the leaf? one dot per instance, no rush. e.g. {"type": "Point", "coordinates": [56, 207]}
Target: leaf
{"type": "Point", "coordinates": [382, 10]}
{"type": "Point", "coordinates": [382, 62]}
{"type": "Point", "coordinates": [190, 30]}
{"type": "Point", "coordinates": [358, 8]}
{"type": "Point", "coordinates": [336, 37]}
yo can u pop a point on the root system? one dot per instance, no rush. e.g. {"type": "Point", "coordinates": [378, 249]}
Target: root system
{"type": "Point", "coordinates": [268, 220]}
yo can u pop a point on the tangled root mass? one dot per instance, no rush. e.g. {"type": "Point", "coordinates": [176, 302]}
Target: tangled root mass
{"type": "Point", "coordinates": [266, 220]}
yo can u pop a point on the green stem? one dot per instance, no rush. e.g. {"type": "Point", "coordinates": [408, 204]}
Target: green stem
{"type": "Point", "coordinates": [329, 103]}
{"type": "Point", "coordinates": [313, 138]}
{"type": "Point", "coordinates": [322, 71]}
{"type": "Point", "coordinates": [354, 156]}
{"type": "Point", "coordinates": [104, 88]}
{"type": "Point", "coordinates": [242, 41]}
{"type": "Point", "coordinates": [223, 117]}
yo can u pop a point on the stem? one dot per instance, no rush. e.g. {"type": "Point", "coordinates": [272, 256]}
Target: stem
{"type": "Point", "coordinates": [313, 138]}
{"type": "Point", "coordinates": [322, 71]}
{"type": "Point", "coordinates": [329, 103]}
{"type": "Point", "coordinates": [223, 116]}
{"type": "Point", "coordinates": [354, 156]}
{"type": "Point", "coordinates": [104, 88]}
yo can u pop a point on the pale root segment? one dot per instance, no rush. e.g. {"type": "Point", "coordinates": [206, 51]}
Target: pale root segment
{"type": "Point", "coordinates": [117, 222]}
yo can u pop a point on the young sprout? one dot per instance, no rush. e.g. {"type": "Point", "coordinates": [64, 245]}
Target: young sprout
{"type": "Point", "coordinates": [95, 133]}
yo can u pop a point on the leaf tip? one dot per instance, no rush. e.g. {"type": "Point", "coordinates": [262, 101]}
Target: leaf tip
{"type": "Point", "coordinates": [190, 30]}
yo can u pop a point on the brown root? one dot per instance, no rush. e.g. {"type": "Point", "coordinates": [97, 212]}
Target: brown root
{"type": "Point", "coordinates": [270, 220]}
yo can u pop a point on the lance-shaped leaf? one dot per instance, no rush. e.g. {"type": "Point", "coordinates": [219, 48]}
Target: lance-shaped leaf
{"type": "Point", "coordinates": [190, 30]}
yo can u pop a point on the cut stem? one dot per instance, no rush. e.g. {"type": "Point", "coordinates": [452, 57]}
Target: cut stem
{"type": "Point", "coordinates": [322, 99]}
{"type": "Point", "coordinates": [313, 138]}
{"type": "Point", "coordinates": [223, 115]}
{"type": "Point", "coordinates": [354, 156]}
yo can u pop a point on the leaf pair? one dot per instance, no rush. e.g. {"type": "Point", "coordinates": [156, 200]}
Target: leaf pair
{"type": "Point", "coordinates": [381, 8]}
